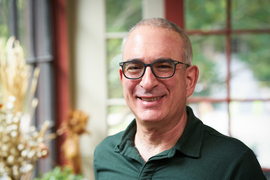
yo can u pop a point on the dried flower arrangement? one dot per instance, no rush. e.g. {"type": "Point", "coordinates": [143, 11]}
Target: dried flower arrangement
{"type": "Point", "coordinates": [21, 144]}
{"type": "Point", "coordinates": [74, 126]}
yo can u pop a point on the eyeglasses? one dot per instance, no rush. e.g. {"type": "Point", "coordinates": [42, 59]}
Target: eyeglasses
{"type": "Point", "coordinates": [161, 68]}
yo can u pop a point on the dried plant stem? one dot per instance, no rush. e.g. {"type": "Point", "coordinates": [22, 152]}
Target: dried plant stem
{"type": "Point", "coordinates": [33, 108]}
{"type": "Point", "coordinates": [14, 74]}
{"type": "Point", "coordinates": [34, 84]}
{"type": "Point", "coordinates": [50, 136]}
{"type": "Point", "coordinates": [44, 128]}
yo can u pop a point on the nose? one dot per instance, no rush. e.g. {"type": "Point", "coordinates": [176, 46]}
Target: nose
{"type": "Point", "coordinates": [149, 80]}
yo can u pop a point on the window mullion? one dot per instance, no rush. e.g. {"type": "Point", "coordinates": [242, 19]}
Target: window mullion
{"type": "Point", "coordinates": [13, 18]}
{"type": "Point", "coordinates": [228, 58]}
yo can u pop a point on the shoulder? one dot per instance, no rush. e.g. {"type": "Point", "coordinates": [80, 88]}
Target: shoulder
{"type": "Point", "coordinates": [104, 154]}
{"type": "Point", "coordinates": [109, 143]}
{"type": "Point", "coordinates": [105, 151]}
{"type": "Point", "coordinates": [239, 160]}
{"type": "Point", "coordinates": [229, 150]}
{"type": "Point", "coordinates": [223, 142]}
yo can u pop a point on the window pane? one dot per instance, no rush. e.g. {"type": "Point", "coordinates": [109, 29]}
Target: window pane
{"type": "Point", "coordinates": [4, 20]}
{"type": "Point", "coordinates": [209, 56]}
{"type": "Point", "coordinates": [22, 22]}
{"type": "Point", "coordinates": [205, 14]}
{"type": "Point", "coordinates": [118, 118]}
{"type": "Point", "coordinates": [251, 14]}
{"type": "Point", "coordinates": [212, 114]}
{"type": "Point", "coordinates": [250, 122]}
{"type": "Point", "coordinates": [250, 66]}
{"type": "Point", "coordinates": [122, 15]}
{"type": "Point", "coordinates": [113, 59]}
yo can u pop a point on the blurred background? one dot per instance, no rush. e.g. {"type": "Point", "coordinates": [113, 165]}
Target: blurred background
{"type": "Point", "coordinates": [77, 45]}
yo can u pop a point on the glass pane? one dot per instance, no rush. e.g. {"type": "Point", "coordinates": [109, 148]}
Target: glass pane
{"type": "Point", "coordinates": [205, 14]}
{"type": "Point", "coordinates": [250, 122]}
{"type": "Point", "coordinates": [250, 74]}
{"type": "Point", "coordinates": [214, 115]}
{"type": "Point", "coordinates": [113, 58]}
{"type": "Point", "coordinates": [118, 118]}
{"type": "Point", "coordinates": [122, 15]}
{"type": "Point", "coordinates": [22, 22]}
{"type": "Point", "coordinates": [4, 20]}
{"type": "Point", "coordinates": [251, 14]}
{"type": "Point", "coordinates": [209, 56]}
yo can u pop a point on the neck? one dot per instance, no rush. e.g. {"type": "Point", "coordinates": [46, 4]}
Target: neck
{"type": "Point", "coordinates": [151, 141]}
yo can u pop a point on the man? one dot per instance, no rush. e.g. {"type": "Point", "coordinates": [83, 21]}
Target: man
{"type": "Point", "coordinates": [166, 140]}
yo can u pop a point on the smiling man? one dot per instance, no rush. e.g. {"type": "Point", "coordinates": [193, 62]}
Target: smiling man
{"type": "Point", "coordinates": [166, 140]}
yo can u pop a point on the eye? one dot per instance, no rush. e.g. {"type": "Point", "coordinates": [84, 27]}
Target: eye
{"type": "Point", "coordinates": [164, 65]}
{"type": "Point", "coordinates": [133, 66]}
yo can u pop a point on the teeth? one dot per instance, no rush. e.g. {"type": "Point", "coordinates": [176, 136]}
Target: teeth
{"type": "Point", "coordinates": [153, 99]}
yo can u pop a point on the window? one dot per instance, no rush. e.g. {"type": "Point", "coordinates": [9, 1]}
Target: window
{"type": "Point", "coordinates": [30, 23]}
{"type": "Point", "coordinates": [13, 20]}
{"type": "Point", "coordinates": [120, 17]}
{"type": "Point", "coordinates": [230, 44]}
{"type": "Point", "coordinates": [230, 40]}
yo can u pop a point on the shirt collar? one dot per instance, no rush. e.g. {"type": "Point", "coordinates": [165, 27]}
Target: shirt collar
{"type": "Point", "coordinates": [127, 139]}
{"type": "Point", "coordinates": [189, 143]}
{"type": "Point", "coordinates": [191, 140]}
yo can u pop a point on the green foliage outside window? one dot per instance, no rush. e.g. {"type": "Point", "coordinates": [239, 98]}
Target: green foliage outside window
{"type": "Point", "coordinates": [250, 14]}
{"type": "Point", "coordinates": [5, 21]}
{"type": "Point", "coordinates": [252, 49]}
{"type": "Point", "coordinates": [113, 59]}
{"type": "Point", "coordinates": [205, 49]}
{"type": "Point", "coordinates": [4, 16]}
{"type": "Point", "coordinates": [205, 15]}
{"type": "Point", "coordinates": [122, 15]}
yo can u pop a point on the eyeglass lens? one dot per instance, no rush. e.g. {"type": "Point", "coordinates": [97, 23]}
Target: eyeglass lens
{"type": "Point", "coordinates": [161, 69]}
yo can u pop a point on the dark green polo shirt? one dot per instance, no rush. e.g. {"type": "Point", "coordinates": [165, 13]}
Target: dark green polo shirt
{"type": "Point", "coordinates": [200, 153]}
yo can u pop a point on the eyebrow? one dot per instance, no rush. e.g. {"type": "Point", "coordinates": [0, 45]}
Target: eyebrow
{"type": "Point", "coordinates": [138, 59]}
{"type": "Point", "coordinates": [135, 59]}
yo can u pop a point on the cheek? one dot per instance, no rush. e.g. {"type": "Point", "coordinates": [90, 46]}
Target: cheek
{"type": "Point", "coordinates": [128, 86]}
{"type": "Point", "coordinates": [177, 87]}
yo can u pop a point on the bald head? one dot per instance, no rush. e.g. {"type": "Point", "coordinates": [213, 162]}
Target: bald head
{"type": "Point", "coordinates": [163, 23]}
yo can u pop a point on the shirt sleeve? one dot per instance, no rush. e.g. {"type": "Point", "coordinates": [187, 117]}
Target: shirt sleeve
{"type": "Point", "coordinates": [247, 167]}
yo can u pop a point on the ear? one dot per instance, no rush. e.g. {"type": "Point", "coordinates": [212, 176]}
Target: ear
{"type": "Point", "coordinates": [121, 74]}
{"type": "Point", "coordinates": [192, 74]}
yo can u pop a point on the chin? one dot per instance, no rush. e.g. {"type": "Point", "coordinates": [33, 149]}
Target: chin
{"type": "Point", "coordinates": [149, 117]}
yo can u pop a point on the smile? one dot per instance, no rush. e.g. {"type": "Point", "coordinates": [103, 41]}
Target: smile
{"type": "Point", "coordinates": [151, 99]}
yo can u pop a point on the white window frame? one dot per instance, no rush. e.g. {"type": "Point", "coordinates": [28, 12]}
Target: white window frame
{"type": "Point", "coordinates": [90, 80]}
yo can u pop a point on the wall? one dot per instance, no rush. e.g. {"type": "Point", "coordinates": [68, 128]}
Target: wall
{"type": "Point", "coordinates": [88, 72]}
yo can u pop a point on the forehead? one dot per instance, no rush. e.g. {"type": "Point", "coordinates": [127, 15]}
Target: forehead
{"type": "Point", "coordinates": [153, 43]}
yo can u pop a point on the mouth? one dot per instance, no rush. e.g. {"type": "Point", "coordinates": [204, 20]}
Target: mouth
{"type": "Point", "coordinates": [151, 99]}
